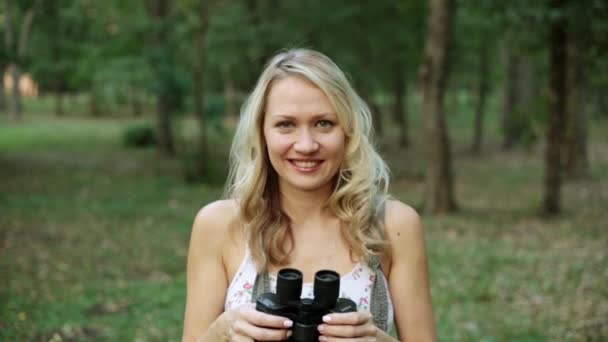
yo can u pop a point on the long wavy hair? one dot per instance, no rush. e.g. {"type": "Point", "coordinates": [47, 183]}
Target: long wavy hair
{"type": "Point", "coordinates": [361, 183]}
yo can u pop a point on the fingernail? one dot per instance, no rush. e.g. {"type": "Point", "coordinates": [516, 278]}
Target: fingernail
{"type": "Point", "coordinates": [321, 327]}
{"type": "Point", "coordinates": [326, 319]}
{"type": "Point", "coordinates": [287, 324]}
{"type": "Point", "coordinates": [289, 332]}
{"type": "Point", "coordinates": [322, 338]}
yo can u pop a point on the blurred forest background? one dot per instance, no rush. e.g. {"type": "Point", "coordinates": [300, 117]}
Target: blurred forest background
{"type": "Point", "coordinates": [117, 116]}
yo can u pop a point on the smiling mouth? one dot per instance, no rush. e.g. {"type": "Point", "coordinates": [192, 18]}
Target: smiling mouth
{"type": "Point", "coordinates": [306, 164]}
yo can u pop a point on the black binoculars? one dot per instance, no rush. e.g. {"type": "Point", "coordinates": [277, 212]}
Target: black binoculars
{"type": "Point", "coordinates": [305, 313]}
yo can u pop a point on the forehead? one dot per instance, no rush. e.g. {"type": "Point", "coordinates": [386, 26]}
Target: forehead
{"type": "Point", "coordinates": [296, 96]}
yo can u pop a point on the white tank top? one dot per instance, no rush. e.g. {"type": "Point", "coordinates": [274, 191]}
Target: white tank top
{"type": "Point", "coordinates": [356, 285]}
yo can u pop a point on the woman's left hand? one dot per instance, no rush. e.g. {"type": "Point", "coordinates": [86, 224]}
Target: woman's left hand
{"type": "Point", "coordinates": [352, 326]}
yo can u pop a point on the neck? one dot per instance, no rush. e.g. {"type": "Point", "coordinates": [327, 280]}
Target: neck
{"type": "Point", "coordinates": [302, 205]}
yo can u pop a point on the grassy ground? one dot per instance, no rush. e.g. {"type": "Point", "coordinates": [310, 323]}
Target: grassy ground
{"type": "Point", "coordinates": [95, 237]}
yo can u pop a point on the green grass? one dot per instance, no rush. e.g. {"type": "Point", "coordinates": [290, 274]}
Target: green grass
{"type": "Point", "coordinates": [95, 236]}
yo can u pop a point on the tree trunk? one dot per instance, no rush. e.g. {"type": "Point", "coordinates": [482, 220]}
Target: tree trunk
{"type": "Point", "coordinates": [509, 96]}
{"type": "Point", "coordinates": [575, 153]}
{"type": "Point", "coordinates": [557, 106]}
{"type": "Point", "coordinates": [400, 108]}
{"type": "Point", "coordinates": [199, 91]}
{"type": "Point", "coordinates": [481, 97]}
{"type": "Point", "coordinates": [160, 12]}
{"type": "Point", "coordinates": [433, 72]}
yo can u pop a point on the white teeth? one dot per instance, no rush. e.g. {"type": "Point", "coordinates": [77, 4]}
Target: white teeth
{"type": "Point", "coordinates": [306, 164]}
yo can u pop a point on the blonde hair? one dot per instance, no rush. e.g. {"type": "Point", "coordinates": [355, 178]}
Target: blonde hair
{"type": "Point", "coordinates": [361, 183]}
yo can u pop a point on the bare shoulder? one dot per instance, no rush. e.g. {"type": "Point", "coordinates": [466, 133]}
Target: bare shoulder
{"type": "Point", "coordinates": [207, 278]}
{"type": "Point", "coordinates": [221, 211]}
{"type": "Point", "coordinates": [213, 222]}
{"type": "Point", "coordinates": [403, 223]}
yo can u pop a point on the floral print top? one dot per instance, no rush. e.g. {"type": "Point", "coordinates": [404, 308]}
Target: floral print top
{"type": "Point", "coordinates": [356, 285]}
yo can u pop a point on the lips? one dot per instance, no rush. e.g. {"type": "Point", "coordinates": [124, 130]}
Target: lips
{"type": "Point", "coordinates": [305, 165]}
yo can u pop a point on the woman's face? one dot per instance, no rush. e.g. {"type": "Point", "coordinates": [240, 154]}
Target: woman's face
{"type": "Point", "coordinates": [304, 139]}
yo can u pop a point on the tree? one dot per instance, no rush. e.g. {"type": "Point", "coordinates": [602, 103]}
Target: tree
{"type": "Point", "coordinates": [58, 47]}
{"type": "Point", "coordinates": [473, 45]}
{"type": "Point", "coordinates": [433, 72]}
{"type": "Point", "coordinates": [557, 107]}
{"type": "Point", "coordinates": [522, 52]}
{"type": "Point", "coordinates": [406, 34]}
{"type": "Point", "coordinates": [16, 44]}
{"type": "Point", "coordinates": [586, 47]}
{"type": "Point", "coordinates": [169, 95]}
{"type": "Point", "coordinates": [576, 158]}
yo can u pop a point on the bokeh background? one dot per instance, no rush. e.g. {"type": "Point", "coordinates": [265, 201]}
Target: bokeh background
{"type": "Point", "coordinates": [116, 118]}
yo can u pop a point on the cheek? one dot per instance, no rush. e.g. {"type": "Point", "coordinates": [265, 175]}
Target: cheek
{"type": "Point", "coordinates": [277, 145]}
{"type": "Point", "coordinates": [336, 144]}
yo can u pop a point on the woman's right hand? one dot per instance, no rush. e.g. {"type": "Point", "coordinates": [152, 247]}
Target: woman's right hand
{"type": "Point", "coordinates": [246, 324]}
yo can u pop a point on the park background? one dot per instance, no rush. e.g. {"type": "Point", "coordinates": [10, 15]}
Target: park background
{"type": "Point", "coordinates": [122, 126]}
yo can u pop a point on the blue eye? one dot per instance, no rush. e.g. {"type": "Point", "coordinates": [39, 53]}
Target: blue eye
{"type": "Point", "coordinates": [284, 124]}
{"type": "Point", "coordinates": [325, 124]}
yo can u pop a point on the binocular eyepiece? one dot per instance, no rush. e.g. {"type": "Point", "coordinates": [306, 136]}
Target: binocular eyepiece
{"type": "Point", "coordinates": [306, 313]}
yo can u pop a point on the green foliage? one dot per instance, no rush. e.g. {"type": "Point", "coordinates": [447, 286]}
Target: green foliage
{"type": "Point", "coordinates": [56, 44]}
{"type": "Point", "coordinates": [141, 135]}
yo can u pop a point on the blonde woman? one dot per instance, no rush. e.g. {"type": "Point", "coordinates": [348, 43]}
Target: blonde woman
{"type": "Point", "coordinates": [307, 190]}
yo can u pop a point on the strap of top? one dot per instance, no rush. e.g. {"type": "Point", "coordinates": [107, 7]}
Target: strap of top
{"type": "Point", "coordinates": [261, 285]}
{"type": "Point", "coordinates": [379, 301]}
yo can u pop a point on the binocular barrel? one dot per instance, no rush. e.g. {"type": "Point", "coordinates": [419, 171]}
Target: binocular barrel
{"type": "Point", "coordinates": [289, 285]}
{"type": "Point", "coordinates": [306, 313]}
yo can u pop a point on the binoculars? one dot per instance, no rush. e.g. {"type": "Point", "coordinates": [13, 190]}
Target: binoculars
{"type": "Point", "coordinates": [305, 313]}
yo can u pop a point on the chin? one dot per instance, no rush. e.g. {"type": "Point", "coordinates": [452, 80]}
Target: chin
{"type": "Point", "coordinates": [309, 186]}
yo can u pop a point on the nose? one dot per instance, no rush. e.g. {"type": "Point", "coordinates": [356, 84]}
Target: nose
{"type": "Point", "coordinates": [306, 142]}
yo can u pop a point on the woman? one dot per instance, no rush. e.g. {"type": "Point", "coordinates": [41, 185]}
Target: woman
{"type": "Point", "coordinates": [307, 191]}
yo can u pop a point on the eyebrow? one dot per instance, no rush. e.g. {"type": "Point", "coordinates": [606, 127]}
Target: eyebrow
{"type": "Point", "coordinates": [314, 117]}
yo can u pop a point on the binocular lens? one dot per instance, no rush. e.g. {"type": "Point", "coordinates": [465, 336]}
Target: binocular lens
{"type": "Point", "coordinates": [289, 285]}
{"type": "Point", "coordinates": [325, 277]}
{"type": "Point", "coordinates": [290, 276]}
{"type": "Point", "coordinates": [327, 288]}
